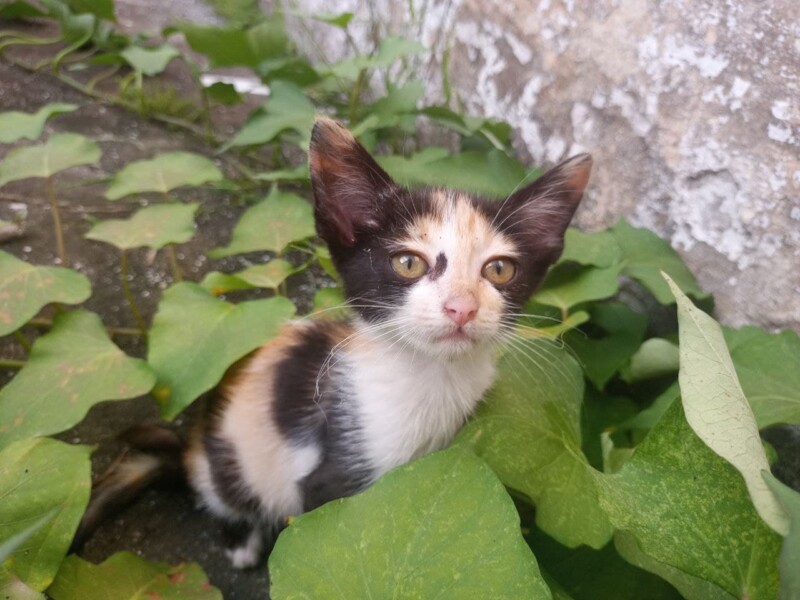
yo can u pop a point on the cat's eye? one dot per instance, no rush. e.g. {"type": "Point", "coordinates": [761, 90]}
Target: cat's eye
{"type": "Point", "coordinates": [499, 270]}
{"type": "Point", "coordinates": [409, 265]}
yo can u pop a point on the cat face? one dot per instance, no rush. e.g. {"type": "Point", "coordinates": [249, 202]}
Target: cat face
{"type": "Point", "coordinates": [438, 270]}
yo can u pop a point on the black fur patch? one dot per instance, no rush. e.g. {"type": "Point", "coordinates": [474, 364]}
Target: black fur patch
{"type": "Point", "coordinates": [439, 268]}
{"type": "Point", "coordinates": [226, 476]}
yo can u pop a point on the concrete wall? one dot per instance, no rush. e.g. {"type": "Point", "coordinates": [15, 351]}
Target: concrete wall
{"type": "Point", "coordinates": [691, 109]}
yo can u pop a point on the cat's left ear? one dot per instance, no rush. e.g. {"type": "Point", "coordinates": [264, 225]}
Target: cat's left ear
{"type": "Point", "coordinates": [543, 210]}
{"type": "Point", "coordinates": [348, 184]}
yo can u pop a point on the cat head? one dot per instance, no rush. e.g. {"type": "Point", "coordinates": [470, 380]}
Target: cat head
{"type": "Point", "coordinates": [445, 270]}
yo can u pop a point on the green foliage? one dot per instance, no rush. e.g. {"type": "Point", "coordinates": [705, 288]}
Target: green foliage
{"type": "Point", "coordinates": [386, 542]}
{"type": "Point", "coordinates": [196, 337]}
{"type": "Point", "coordinates": [50, 481]}
{"type": "Point", "coordinates": [71, 368]}
{"type": "Point", "coordinates": [131, 578]}
{"type": "Point", "coordinates": [583, 426]}
{"type": "Point", "coordinates": [162, 174]}
{"type": "Point", "coordinates": [25, 289]}
{"type": "Point", "coordinates": [61, 151]}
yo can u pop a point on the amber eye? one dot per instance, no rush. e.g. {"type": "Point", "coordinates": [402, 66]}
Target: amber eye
{"type": "Point", "coordinates": [499, 270]}
{"type": "Point", "coordinates": [409, 265]}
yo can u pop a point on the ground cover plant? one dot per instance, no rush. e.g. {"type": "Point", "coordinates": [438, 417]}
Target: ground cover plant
{"type": "Point", "coordinates": [617, 456]}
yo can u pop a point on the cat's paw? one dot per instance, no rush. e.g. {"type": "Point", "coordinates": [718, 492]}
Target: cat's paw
{"type": "Point", "coordinates": [248, 554]}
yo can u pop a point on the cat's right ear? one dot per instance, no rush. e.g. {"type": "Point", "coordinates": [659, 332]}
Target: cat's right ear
{"type": "Point", "coordinates": [348, 184]}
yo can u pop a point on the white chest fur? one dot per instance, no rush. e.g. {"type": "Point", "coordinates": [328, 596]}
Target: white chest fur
{"type": "Point", "coordinates": [409, 404]}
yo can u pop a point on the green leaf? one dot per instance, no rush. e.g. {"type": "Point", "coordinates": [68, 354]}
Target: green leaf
{"type": "Point", "coordinates": [690, 517]}
{"type": "Point", "coordinates": [125, 576]}
{"type": "Point", "coordinates": [568, 285]}
{"type": "Point", "coordinates": [224, 93]}
{"type": "Point", "coordinates": [587, 574]}
{"type": "Point", "coordinates": [341, 20]}
{"type": "Point", "coordinates": [19, 10]}
{"type": "Point", "coordinates": [492, 173]}
{"type": "Point", "coordinates": [716, 407]}
{"type": "Point", "coordinates": [195, 337]}
{"type": "Point", "coordinates": [389, 50]}
{"type": "Point", "coordinates": [162, 173]}
{"type": "Point", "coordinates": [768, 366]}
{"type": "Point", "coordinates": [298, 173]}
{"type": "Point", "coordinates": [152, 227]}
{"type": "Point", "coordinates": [229, 47]}
{"type": "Point", "coordinates": [10, 585]}
{"type": "Point", "coordinates": [422, 531]}
{"type": "Point", "coordinates": [103, 9]}
{"type": "Point", "coordinates": [528, 430]}
{"type": "Point", "coordinates": [269, 275]}
{"type": "Point", "coordinates": [596, 249]}
{"type": "Point", "coordinates": [653, 413]}
{"type": "Point", "coordinates": [221, 283]}
{"type": "Point", "coordinates": [656, 357]}
{"type": "Point", "coordinates": [61, 151]}
{"type": "Point", "coordinates": [645, 256]}
{"type": "Point", "coordinates": [15, 125]}
{"type": "Point", "coordinates": [270, 225]}
{"type": "Point", "coordinates": [789, 499]}
{"type": "Point", "coordinates": [13, 543]}
{"type": "Point", "coordinates": [288, 108]}
{"type": "Point", "coordinates": [25, 289]}
{"type": "Point", "coordinates": [602, 357]}
{"type": "Point", "coordinates": [149, 61]}
{"type": "Point", "coordinates": [330, 301]}
{"type": "Point", "coordinates": [42, 477]}
{"type": "Point", "coordinates": [71, 368]}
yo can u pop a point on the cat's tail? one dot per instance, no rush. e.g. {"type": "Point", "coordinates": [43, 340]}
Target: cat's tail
{"type": "Point", "coordinates": [155, 457]}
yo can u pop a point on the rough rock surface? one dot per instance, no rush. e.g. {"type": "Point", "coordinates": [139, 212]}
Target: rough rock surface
{"type": "Point", "coordinates": [690, 108]}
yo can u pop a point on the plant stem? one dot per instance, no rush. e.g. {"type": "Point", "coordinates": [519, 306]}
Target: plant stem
{"type": "Point", "coordinates": [355, 95]}
{"type": "Point", "coordinates": [23, 341]}
{"type": "Point", "coordinates": [51, 197]}
{"type": "Point", "coordinates": [10, 363]}
{"type": "Point", "coordinates": [173, 262]}
{"type": "Point", "coordinates": [137, 316]}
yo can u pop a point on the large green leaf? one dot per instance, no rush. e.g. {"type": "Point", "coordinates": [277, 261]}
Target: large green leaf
{"type": "Point", "coordinates": [195, 337]}
{"type": "Point", "coordinates": [689, 514]}
{"type": "Point", "coordinates": [229, 46]}
{"type": "Point", "coordinates": [790, 554]}
{"type": "Point", "coordinates": [162, 173]}
{"type": "Point", "coordinates": [288, 108]}
{"type": "Point", "coordinates": [15, 125]}
{"type": "Point", "coordinates": [598, 249]}
{"type": "Point", "coordinates": [491, 173]}
{"type": "Point", "coordinates": [125, 576]}
{"type": "Point", "coordinates": [768, 366]}
{"type": "Point", "coordinates": [270, 225]}
{"type": "Point", "coordinates": [70, 369]}
{"type": "Point", "coordinates": [153, 227]}
{"type": "Point", "coordinates": [568, 285]}
{"type": "Point", "coordinates": [42, 478]}
{"type": "Point", "coordinates": [716, 407]}
{"type": "Point", "coordinates": [150, 61]}
{"type": "Point", "coordinates": [528, 430]}
{"type": "Point", "coordinates": [100, 8]}
{"type": "Point", "coordinates": [656, 357]}
{"type": "Point", "coordinates": [389, 50]}
{"type": "Point", "coordinates": [441, 527]}
{"type": "Point", "coordinates": [25, 288]}
{"type": "Point", "coordinates": [61, 151]}
{"type": "Point", "coordinates": [645, 256]}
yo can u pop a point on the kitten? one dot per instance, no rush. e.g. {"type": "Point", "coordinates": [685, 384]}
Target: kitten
{"type": "Point", "coordinates": [434, 278]}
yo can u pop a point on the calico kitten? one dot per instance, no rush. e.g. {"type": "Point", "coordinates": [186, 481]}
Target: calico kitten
{"type": "Point", "coordinates": [434, 278]}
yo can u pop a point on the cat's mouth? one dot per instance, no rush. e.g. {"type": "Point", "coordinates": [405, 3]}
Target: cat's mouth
{"type": "Point", "coordinates": [456, 336]}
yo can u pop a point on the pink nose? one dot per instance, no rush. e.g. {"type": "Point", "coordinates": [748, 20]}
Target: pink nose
{"type": "Point", "coordinates": [461, 310]}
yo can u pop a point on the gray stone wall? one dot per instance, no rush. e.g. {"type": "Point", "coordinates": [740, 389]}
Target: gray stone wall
{"type": "Point", "coordinates": [690, 108]}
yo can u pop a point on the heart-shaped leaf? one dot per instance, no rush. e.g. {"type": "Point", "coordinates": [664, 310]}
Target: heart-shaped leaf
{"type": "Point", "coordinates": [656, 357]}
{"type": "Point", "coordinates": [25, 289]}
{"type": "Point", "coordinates": [599, 249]}
{"type": "Point", "coordinates": [389, 50]}
{"type": "Point", "coordinates": [150, 61]}
{"type": "Point", "coordinates": [768, 366]}
{"type": "Point", "coordinates": [70, 369]}
{"type": "Point", "coordinates": [230, 46]}
{"type": "Point", "coordinates": [162, 173]}
{"type": "Point", "coordinates": [288, 108]}
{"type": "Point", "coordinates": [15, 125]}
{"type": "Point", "coordinates": [152, 227]}
{"type": "Point", "coordinates": [645, 256]}
{"type": "Point", "coordinates": [42, 478]}
{"type": "Point", "coordinates": [568, 285]}
{"type": "Point", "coordinates": [125, 576]}
{"type": "Point", "coordinates": [716, 407]}
{"type": "Point", "coordinates": [422, 531]}
{"type": "Point", "coordinates": [270, 225]}
{"type": "Point", "coordinates": [528, 430]}
{"type": "Point", "coordinates": [195, 337]}
{"type": "Point", "coordinates": [685, 514]}
{"type": "Point", "coordinates": [269, 275]}
{"type": "Point", "coordinates": [61, 151]}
